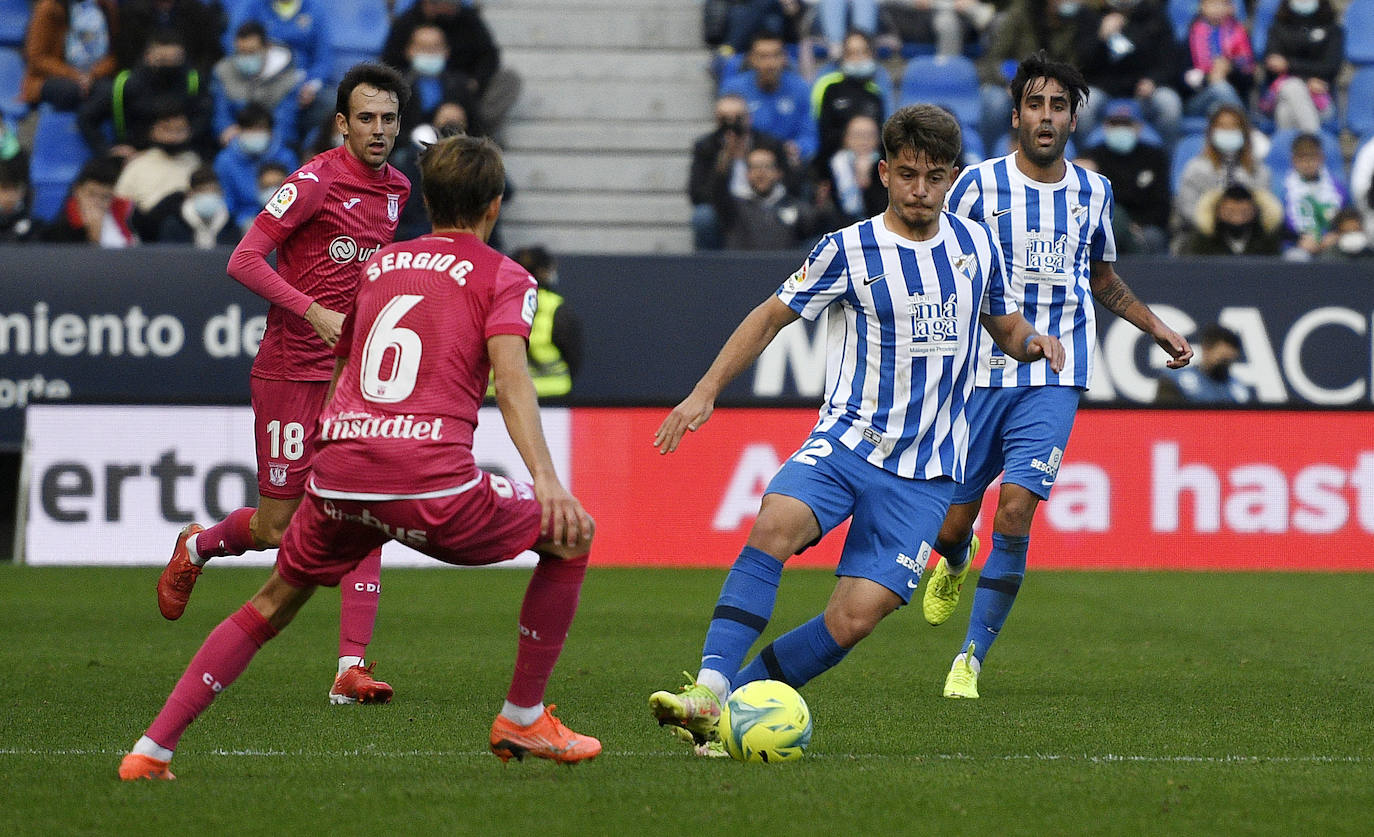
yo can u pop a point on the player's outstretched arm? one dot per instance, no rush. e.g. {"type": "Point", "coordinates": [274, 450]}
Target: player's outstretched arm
{"type": "Point", "coordinates": [1111, 292]}
{"type": "Point", "coordinates": [1015, 336]}
{"type": "Point", "coordinates": [748, 341]}
{"type": "Point", "coordinates": [563, 520]}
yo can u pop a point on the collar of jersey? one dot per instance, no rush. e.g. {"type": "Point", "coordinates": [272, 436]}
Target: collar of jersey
{"type": "Point", "coordinates": [360, 168]}
{"type": "Point", "coordinates": [1019, 176]}
{"type": "Point", "coordinates": [882, 233]}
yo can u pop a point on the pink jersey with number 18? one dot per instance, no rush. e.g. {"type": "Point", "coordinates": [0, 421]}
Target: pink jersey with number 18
{"type": "Point", "coordinates": [402, 418]}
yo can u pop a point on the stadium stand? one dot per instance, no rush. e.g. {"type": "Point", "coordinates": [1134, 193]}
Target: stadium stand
{"type": "Point", "coordinates": [948, 80]}
{"type": "Point", "coordinates": [58, 154]}
{"type": "Point", "coordinates": [14, 21]}
{"type": "Point", "coordinates": [11, 72]}
{"type": "Point", "coordinates": [1359, 113]}
{"type": "Point", "coordinates": [1359, 32]}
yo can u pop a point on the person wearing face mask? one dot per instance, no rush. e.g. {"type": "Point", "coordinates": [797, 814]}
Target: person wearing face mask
{"type": "Point", "coordinates": [303, 26]}
{"type": "Point", "coordinates": [256, 71]}
{"type": "Point", "coordinates": [91, 214]}
{"type": "Point", "coordinates": [432, 83]}
{"type": "Point", "coordinates": [1209, 381]}
{"type": "Point", "coordinates": [237, 164]}
{"type": "Point", "coordinates": [1235, 222]}
{"type": "Point", "coordinates": [779, 98]}
{"type": "Point", "coordinates": [154, 179]}
{"type": "Point", "coordinates": [857, 87]}
{"type": "Point", "coordinates": [200, 22]}
{"type": "Point", "coordinates": [202, 218]}
{"type": "Point", "coordinates": [1302, 56]}
{"type": "Point", "coordinates": [1139, 173]}
{"type": "Point", "coordinates": [1312, 197]}
{"type": "Point", "coordinates": [126, 109]}
{"type": "Point", "coordinates": [722, 153]}
{"type": "Point", "coordinates": [16, 222]}
{"type": "Point", "coordinates": [1131, 53]}
{"type": "Point", "coordinates": [1227, 157]}
{"type": "Point", "coordinates": [1351, 240]}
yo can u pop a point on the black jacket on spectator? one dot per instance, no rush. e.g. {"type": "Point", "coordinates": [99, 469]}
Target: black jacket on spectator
{"type": "Point", "coordinates": [1140, 181]}
{"type": "Point", "coordinates": [1313, 50]}
{"type": "Point", "coordinates": [778, 221]}
{"type": "Point", "coordinates": [1153, 52]}
{"type": "Point", "coordinates": [842, 100]}
{"type": "Point", "coordinates": [472, 50]}
{"type": "Point", "coordinates": [199, 24]}
{"type": "Point", "coordinates": [126, 108]}
{"type": "Point", "coordinates": [705, 151]}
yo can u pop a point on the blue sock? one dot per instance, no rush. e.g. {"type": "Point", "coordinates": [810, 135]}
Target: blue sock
{"type": "Point", "coordinates": [742, 611]}
{"type": "Point", "coordinates": [955, 554]}
{"type": "Point", "coordinates": [997, 588]}
{"type": "Point", "coordinates": [795, 657]}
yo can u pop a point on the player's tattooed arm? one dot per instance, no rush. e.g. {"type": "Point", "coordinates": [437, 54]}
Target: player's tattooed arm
{"type": "Point", "coordinates": [1115, 296]}
{"type": "Point", "coordinates": [1112, 293]}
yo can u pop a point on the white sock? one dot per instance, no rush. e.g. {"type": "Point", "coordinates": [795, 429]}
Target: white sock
{"type": "Point", "coordinates": [715, 681]}
{"type": "Point", "coordinates": [345, 663]}
{"type": "Point", "coordinates": [192, 553]}
{"type": "Point", "coordinates": [522, 715]}
{"type": "Point", "coordinates": [148, 747]}
{"type": "Point", "coordinates": [972, 662]}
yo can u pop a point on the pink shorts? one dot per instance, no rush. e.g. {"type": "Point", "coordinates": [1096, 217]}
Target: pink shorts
{"type": "Point", "coordinates": [285, 414]}
{"type": "Point", "coordinates": [493, 521]}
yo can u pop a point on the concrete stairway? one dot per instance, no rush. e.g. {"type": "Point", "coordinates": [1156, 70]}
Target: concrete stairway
{"type": "Point", "coordinates": [598, 146]}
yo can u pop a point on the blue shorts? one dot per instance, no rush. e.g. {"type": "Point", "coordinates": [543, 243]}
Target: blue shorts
{"type": "Point", "coordinates": [1020, 430]}
{"type": "Point", "coordinates": [895, 519]}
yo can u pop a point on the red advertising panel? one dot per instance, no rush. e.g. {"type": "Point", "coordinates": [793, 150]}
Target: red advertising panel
{"type": "Point", "coordinates": [1137, 490]}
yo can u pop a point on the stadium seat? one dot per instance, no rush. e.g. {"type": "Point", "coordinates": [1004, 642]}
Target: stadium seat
{"type": "Point", "coordinates": [1359, 112]}
{"type": "Point", "coordinates": [58, 154]}
{"type": "Point", "coordinates": [1181, 14]}
{"type": "Point", "coordinates": [1359, 32]}
{"type": "Point", "coordinates": [14, 21]}
{"type": "Point", "coordinates": [1259, 27]}
{"type": "Point", "coordinates": [1185, 149]}
{"type": "Point", "coordinates": [357, 26]}
{"type": "Point", "coordinates": [11, 73]}
{"type": "Point", "coordinates": [949, 80]}
{"type": "Point", "coordinates": [1280, 156]}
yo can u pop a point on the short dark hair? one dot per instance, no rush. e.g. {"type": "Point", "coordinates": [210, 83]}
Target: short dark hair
{"type": "Point", "coordinates": [271, 165]}
{"type": "Point", "coordinates": [460, 176]}
{"type": "Point", "coordinates": [204, 176]}
{"type": "Point", "coordinates": [764, 35]}
{"type": "Point", "coordinates": [102, 170]}
{"type": "Point", "coordinates": [1311, 141]}
{"type": "Point", "coordinates": [166, 36]}
{"type": "Point", "coordinates": [928, 129]}
{"type": "Point", "coordinates": [1237, 192]}
{"type": "Point", "coordinates": [1040, 65]}
{"type": "Point", "coordinates": [535, 258]}
{"type": "Point", "coordinates": [253, 115]}
{"type": "Point", "coordinates": [378, 75]}
{"type": "Point", "coordinates": [251, 29]}
{"type": "Point", "coordinates": [1218, 333]}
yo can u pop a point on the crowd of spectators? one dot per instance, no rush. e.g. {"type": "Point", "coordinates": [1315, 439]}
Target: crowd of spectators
{"type": "Point", "coordinates": [1224, 126]}
{"type": "Point", "coordinates": [189, 114]}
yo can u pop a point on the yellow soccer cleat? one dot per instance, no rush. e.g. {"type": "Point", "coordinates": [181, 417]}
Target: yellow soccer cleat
{"type": "Point", "coordinates": [962, 681]}
{"type": "Point", "coordinates": [695, 708]}
{"type": "Point", "coordinates": [942, 590]}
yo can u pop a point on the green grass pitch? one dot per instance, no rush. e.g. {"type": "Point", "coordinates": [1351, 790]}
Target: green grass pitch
{"type": "Point", "coordinates": [1115, 703]}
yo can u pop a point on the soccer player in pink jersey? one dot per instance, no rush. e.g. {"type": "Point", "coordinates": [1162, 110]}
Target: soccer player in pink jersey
{"type": "Point", "coordinates": [433, 318]}
{"type": "Point", "coordinates": [324, 222]}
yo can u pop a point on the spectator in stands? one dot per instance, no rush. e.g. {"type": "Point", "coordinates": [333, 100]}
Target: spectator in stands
{"type": "Point", "coordinates": [722, 152]}
{"type": "Point", "coordinates": [12, 154]}
{"type": "Point", "coordinates": [1223, 64]}
{"type": "Point", "coordinates": [778, 98]}
{"type": "Point", "coordinates": [92, 214]}
{"type": "Point", "coordinates": [1209, 381]}
{"type": "Point", "coordinates": [303, 26]}
{"type": "Point", "coordinates": [325, 136]}
{"type": "Point", "coordinates": [838, 18]}
{"type": "Point", "coordinates": [155, 179]}
{"type": "Point", "coordinates": [1139, 174]}
{"type": "Point", "coordinates": [947, 25]}
{"type": "Point", "coordinates": [162, 80]}
{"type": "Point", "coordinates": [848, 183]}
{"type": "Point", "coordinates": [1312, 197]}
{"type": "Point", "coordinates": [1227, 157]}
{"type": "Point", "coordinates": [1303, 55]}
{"type": "Point", "coordinates": [852, 89]}
{"type": "Point", "coordinates": [238, 163]}
{"type": "Point", "coordinates": [1026, 27]}
{"type": "Point", "coordinates": [271, 175]}
{"type": "Point", "coordinates": [1362, 183]}
{"type": "Point", "coordinates": [748, 18]}
{"type": "Point", "coordinates": [67, 51]}
{"type": "Point", "coordinates": [202, 217]}
{"type": "Point", "coordinates": [200, 25]}
{"type": "Point", "coordinates": [1352, 242]}
{"type": "Point", "coordinates": [770, 218]}
{"type": "Point", "coordinates": [16, 219]}
{"type": "Point", "coordinates": [261, 72]}
{"type": "Point", "coordinates": [555, 345]}
{"type": "Point", "coordinates": [1131, 54]}
{"type": "Point", "coordinates": [472, 52]}
{"type": "Point", "coordinates": [1235, 222]}
{"type": "Point", "coordinates": [432, 83]}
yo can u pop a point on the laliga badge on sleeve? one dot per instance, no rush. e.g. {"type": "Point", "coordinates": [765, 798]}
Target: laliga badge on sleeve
{"type": "Point", "coordinates": [282, 200]}
{"type": "Point", "coordinates": [531, 305]}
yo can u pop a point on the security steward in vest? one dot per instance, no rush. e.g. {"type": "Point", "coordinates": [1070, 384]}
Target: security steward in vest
{"type": "Point", "coordinates": [555, 348]}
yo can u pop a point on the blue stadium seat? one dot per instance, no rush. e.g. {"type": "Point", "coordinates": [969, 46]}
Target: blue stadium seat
{"type": "Point", "coordinates": [359, 25]}
{"type": "Point", "coordinates": [1359, 32]}
{"type": "Point", "coordinates": [11, 73]}
{"type": "Point", "coordinates": [1259, 27]}
{"type": "Point", "coordinates": [1359, 113]}
{"type": "Point", "coordinates": [14, 21]}
{"type": "Point", "coordinates": [949, 80]}
{"type": "Point", "coordinates": [1181, 14]}
{"type": "Point", "coordinates": [1280, 156]}
{"type": "Point", "coordinates": [58, 154]}
{"type": "Point", "coordinates": [1185, 149]}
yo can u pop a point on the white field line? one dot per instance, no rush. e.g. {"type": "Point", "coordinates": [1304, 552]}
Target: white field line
{"type": "Point", "coordinates": [1069, 758]}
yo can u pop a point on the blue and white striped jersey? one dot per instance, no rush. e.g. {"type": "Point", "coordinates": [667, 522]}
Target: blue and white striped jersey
{"type": "Point", "coordinates": [1050, 233]}
{"type": "Point", "coordinates": [901, 319]}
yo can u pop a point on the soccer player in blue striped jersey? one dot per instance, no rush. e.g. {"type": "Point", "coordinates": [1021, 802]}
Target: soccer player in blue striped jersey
{"type": "Point", "coordinates": [1053, 223]}
{"type": "Point", "coordinates": [903, 294]}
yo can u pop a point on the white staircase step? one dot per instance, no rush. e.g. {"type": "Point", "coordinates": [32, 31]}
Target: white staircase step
{"type": "Point", "coordinates": [601, 207]}
{"type": "Point", "coordinates": [564, 238]}
{"type": "Point", "coordinates": [584, 63]}
{"type": "Point", "coordinates": [627, 172]}
{"type": "Point", "coordinates": [684, 99]}
{"type": "Point", "coordinates": [557, 25]}
{"type": "Point", "coordinates": [599, 135]}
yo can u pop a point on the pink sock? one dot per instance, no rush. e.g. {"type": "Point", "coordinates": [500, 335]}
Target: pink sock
{"type": "Point", "coordinates": [223, 656]}
{"type": "Point", "coordinates": [545, 616]}
{"type": "Point", "coordinates": [231, 536]}
{"type": "Point", "coordinates": [359, 594]}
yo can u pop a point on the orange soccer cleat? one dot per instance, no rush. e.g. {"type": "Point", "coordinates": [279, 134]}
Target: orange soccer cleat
{"type": "Point", "coordinates": [137, 766]}
{"type": "Point", "coordinates": [357, 685]}
{"type": "Point", "coordinates": [179, 578]}
{"type": "Point", "coordinates": [546, 738]}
